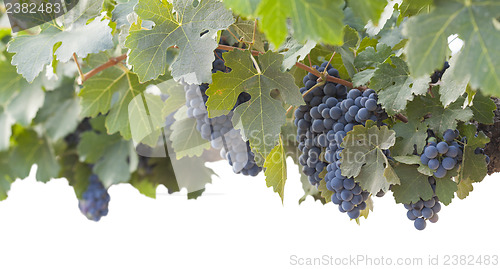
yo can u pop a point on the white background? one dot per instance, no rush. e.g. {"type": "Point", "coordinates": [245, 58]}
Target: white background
{"type": "Point", "coordinates": [238, 223]}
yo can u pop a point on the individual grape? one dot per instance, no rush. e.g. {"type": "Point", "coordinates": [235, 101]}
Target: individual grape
{"type": "Point", "coordinates": [371, 105]}
{"type": "Point", "coordinates": [95, 200]}
{"type": "Point", "coordinates": [433, 164]}
{"type": "Point", "coordinates": [431, 152]}
{"type": "Point", "coordinates": [354, 213]}
{"type": "Point", "coordinates": [442, 147]}
{"type": "Point", "coordinates": [410, 215]}
{"type": "Point", "coordinates": [424, 160]}
{"type": "Point", "coordinates": [452, 152]}
{"type": "Point", "coordinates": [436, 208]}
{"type": "Point", "coordinates": [449, 163]}
{"type": "Point", "coordinates": [440, 172]}
{"type": "Point", "coordinates": [347, 206]}
{"type": "Point", "coordinates": [363, 114]}
{"type": "Point", "coordinates": [346, 195]}
{"type": "Point", "coordinates": [436, 76]}
{"type": "Point", "coordinates": [434, 218]}
{"type": "Point", "coordinates": [449, 135]}
{"type": "Point", "coordinates": [420, 224]}
{"type": "Point", "coordinates": [427, 213]}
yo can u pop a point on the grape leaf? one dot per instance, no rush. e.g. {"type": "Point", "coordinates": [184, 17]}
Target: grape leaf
{"type": "Point", "coordinates": [415, 159]}
{"type": "Point", "coordinates": [445, 190]}
{"type": "Point", "coordinates": [245, 29]}
{"type": "Point", "coordinates": [363, 77]}
{"type": "Point", "coordinates": [60, 112]}
{"type": "Point", "coordinates": [186, 139]}
{"type": "Point", "coordinates": [32, 149]}
{"type": "Point", "coordinates": [452, 86]}
{"type": "Point", "coordinates": [275, 166]}
{"type": "Point", "coordinates": [441, 118]}
{"type": "Point", "coordinates": [98, 93]}
{"type": "Point", "coordinates": [182, 29]}
{"type": "Point", "coordinates": [351, 40]}
{"type": "Point", "coordinates": [34, 52]}
{"type": "Point", "coordinates": [483, 108]}
{"type": "Point", "coordinates": [317, 20]}
{"type": "Point", "coordinates": [146, 116]}
{"type": "Point", "coordinates": [109, 153]}
{"type": "Point", "coordinates": [369, 208]}
{"type": "Point", "coordinates": [368, 10]}
{"type": "Point", "coordinates": [176, 96]}
{"type": "Point", "coordinates": [395, 86]}
{"type": "Point", "coordinates": [413, 7]}
{"type": "Point", "coordinates": [464, 188]}
{"type": "Point", "coordinates": [122, 12]}
{"type": "Point", "coordinates": [409, 135]}
{"type": "Point", "coordinates": [414, 185]}
{"type": "Point", "coordinates": [246, 8]}
{"type": "Point", "coordinates": [364, 160]}
{"type": "Point", "coordinates": [474, 166]}
{"type": "Point", "coordinates": [295, 52]}
{"type": "Point", "coordinates": [371, 57]}
{"type": "Point", "coordinates": [7, 175]}
{"type": "Point", "coordinates": [262, 117]}
{"type": "Point", "coordinates": [474, 22]}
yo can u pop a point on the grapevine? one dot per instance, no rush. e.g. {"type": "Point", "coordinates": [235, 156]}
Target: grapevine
{"type": "Point", "coordinates": [140, 92]}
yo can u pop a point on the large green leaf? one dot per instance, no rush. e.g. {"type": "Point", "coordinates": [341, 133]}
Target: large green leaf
{"type": "Point", "coordinates": [414, 185]}
{"type": "Point", "coordinates": [34, 52]}
{"type": "Point", "coordinates": [475, 22]}
{"type": "Point", "coordinates": [317, 20]}
{"type": "Point", "coordinates": [182, 29]}
{"type": "Point", "coordinates": [395, 85]}
{"type": "Point", "coordinates": [363, 157]}
{"type": "Point", "coordinates": [262, 117]}
{"type": "Point", "coordinates": [439, 118]}
{"type": "Point", "coordinates": [275, 166]}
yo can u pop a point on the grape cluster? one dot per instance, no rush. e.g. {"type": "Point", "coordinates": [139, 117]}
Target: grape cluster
{"type": "Point", "coordinates": [443, 156]}
{"type": "Point", "coordinates": [436, 76]}
{"type": "Point", "coordinates": [95, 200]}
{"type": "Point", "coordinates": [424, 210]}
{"type": "Point", "coordinates": [329, 114]}
{"type": "Point", "coordinates": [219, 131]}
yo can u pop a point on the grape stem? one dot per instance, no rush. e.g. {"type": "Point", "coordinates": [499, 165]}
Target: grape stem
{"type": "Point", "coordinates": [110, 63]}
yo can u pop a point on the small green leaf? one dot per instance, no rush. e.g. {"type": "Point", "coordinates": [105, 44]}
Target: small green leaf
{"type": "Point", "coordinates": [464, 188]}
{"type": "Point", "coordinates": [483, 108]}
{"type": "Point", "coordinates": [146, 116]}
{"type": "Point", "coordinates": [370, 57]}
{"type": "Point", "coordinates": [474, 166]}
{"type": "Point", "coordinates": [409, 135]}
{"type": "Point", "coordinates": [414, 185]}
{"type": "Point", "coordinates": [325, 193]}
{"type": "Point", "coordinates": [452, 86]}
{"type": "Point", "coordinates": [295, 52]}
{"type": "Point", "coordinates": [445, 190]}
{"type": "Point", "coordinates": [275, 166]}
{"type": "Point", "coordinates": [186, 139]}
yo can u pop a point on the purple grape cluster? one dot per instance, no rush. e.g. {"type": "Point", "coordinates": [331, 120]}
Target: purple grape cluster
{"type": "Point", "coordinates": [424, 210]}
{"type": "Point", "coordinates": [331, 111]}
{"type": "Point", "coordinates": [445, 155]}
{"type": "Point", "coordinates": [95, 200]}
{"type": "Point", "coordinates": [219, 131]}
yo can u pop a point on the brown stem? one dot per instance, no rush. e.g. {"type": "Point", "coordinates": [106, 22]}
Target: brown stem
{"type": "Point", "coordinates": [111, 62]}
{"type": "Point", "coordinates": [402, 118]}
{"type": "Point", "coordinates": [328, 78]}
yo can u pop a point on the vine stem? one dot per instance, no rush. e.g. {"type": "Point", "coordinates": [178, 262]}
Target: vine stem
{"type": "Point", "coordinates": [110, 63]}
{"type": "Point", "coordinates": [78, 66]}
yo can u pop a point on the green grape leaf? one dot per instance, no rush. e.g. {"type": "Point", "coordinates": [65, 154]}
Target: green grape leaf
{"type": "Point", "coordinates": [309, 190]}
{"type": "Point", "coordinates": [364, 160]}
{"type": "Point", "coordinates": [245, 29]}
{"type": "Point", "coordinates": [474, 166]}
{"type": "Point", "coordinates": [325, 193]}
{"type": "Point", "coordinates": [98, 93]}
{"type": "Point", "coordinates": [32, 149]}
{"type": "Point", "coordinates": [60, 112]}
{"type": "Point", "coordinates": [414, 185]}
{"type": "Point", "coordinates": [474, 22]}
{"type": "Point", "coordinates": [186, 139]}
{"type": "Point", "coordinates": [414, 159]}
{"type": "Point", "coordinates": [144, 186]}
{"type": "Point", "coordinates": [245, 8]}
{"type": "Point", "coordinates": [413, 7]}
{"type": "Point", "coordinates": [7, 175]}
{"type": "Point", "coordinates": [122, 11]}
{"type": "Point", "coordinates": [464, 188]}
{"type": "Point", "coordinates": [146, 116]}
{"type": "Point", "coordinates": [445, 190]}
{"type": "Point", "coordinates": [409, 135]}
{"type": "Point", "coordinates": [369, 10]}
{"type": "Point", "coordinates": [34, 52]}
{"type": "Point", "coordinates": [275, 166]}
{"type": "Point", "coordinates": [368, 209]}
{"type": "Point", "coordinates": [351, 40]}
{"type": "Point", "coordinates": [395, 86]}
{"type": "Point", "coordinates": [317, 20]}
{"type": "Point", "coordinates": [183, 28]}
{"type": "Point", "coordinates": [452, 86]}
{"type": "Point", "coordinates": [295, 52]}
{"type": "Point", "coordinates": [262, 117]}
{"type": "Point", "coordinates": [363, 77]}
{"type": "Point", "coordinates": [176, 96]}
{"type": "Point", "coordinates": [483, 108]}
{"type": "Point", "coordinates": [76, 172]}
{"type": "Point", "coordinates": [441, 118]}
{"type": "Point", "coordinates": [371, 57]}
